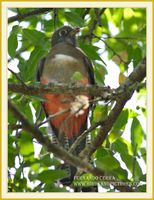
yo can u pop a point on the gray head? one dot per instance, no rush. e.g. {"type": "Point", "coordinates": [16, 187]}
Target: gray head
{"type": "Point", "coordinates": [65, 34]}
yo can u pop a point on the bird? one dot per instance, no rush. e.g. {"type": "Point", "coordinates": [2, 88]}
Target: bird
{"type": "Point", "coordinates": [66, 64]}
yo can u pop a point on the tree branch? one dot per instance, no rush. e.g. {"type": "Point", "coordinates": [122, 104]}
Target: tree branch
{"type": "Point", "coordinates": [22, 16]}
{"type": "Point", "coordinates": [60, 88]}
{"type": "Point", "coordinates": [137, 75]}
{"type": "Point", "coordinates": [106, 93]}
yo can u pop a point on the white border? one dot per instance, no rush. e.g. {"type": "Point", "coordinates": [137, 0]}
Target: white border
{"type": "Point", "coordinates": [5, 194]}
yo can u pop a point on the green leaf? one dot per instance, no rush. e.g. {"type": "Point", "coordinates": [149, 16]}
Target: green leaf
{"type": "Point", "coordinates": [137, 134]}
{"type": "Point", "coordinates": [12, 151]}
{"type": "Point", "coordinates": [30, 67]}
{"type": "Point", "coordinates": [32, 176]}
{"type": "Point", "coordinates": [122, 146]}
{"type": "Point", "coordinates": [50, 176]}
{"type": "Point", "coordinates": [27, 111]}
{"type": "Point", "coordinates": [120, 173]}
{"type": "Point", "coordinates": [74, 19]}
{"type": "Point", "coordinates": [133, 165]}
{"type": "Point", "coordinates": [18, 173]}
{"type": "Point", "coordinates": [121, 121]}
{"type": "Point", "coordinates": [100, 72]}
{"type": "Point", "coordinates": [107, 163]}
{"type": "Point", "coordinates": [128, 13]}
{"type": "Point", "coordinates": [98, 31]}
{"type": "Point", "coordinates": [52, 188]}
{"type": "Point", "coordinates": [11, 119]}
{"type": "Point", "coordinates": [137, 56]}
{"type": "Point", "coordinates": [77, 76]}
{"type": "Point", "coordinates": [135, 53]}
{"type": "Point", "coordinates": [100, 112]}
{"type": "Point", "coordinates": [35, 167]}
{"type": "Point", "coordinates": [117, 16]}
{"type": "Point", "coordinates": [143, 178]}
{"type": "Point", "coordinates": [132, 113]}
{"type": "Point", "coordinates": [35, 37]}
{"type": "Point", "coordinates": [142, 188]}
{"type": "Point", "coordinates": [26, 146]}
{"type": "Point", "coordinates": [12, 45]}
{"type": "Point", "coordinates": [48, 161]}
{"type": "Point", "coordinates": [48, 25]}
{"type": "Point", "coordinates": [143, 153]}
{"type": "Point", "coordinates": [101, 152]}
{"type": "Point", "coordinates": [114, 136]}
{"type": "Point", "coordinates": [90, 51]}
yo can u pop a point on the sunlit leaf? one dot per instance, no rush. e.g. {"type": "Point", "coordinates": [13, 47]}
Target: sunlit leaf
{"type": "Point", "coordinates": [122, 78]}
{"type": "Point", "coordinates": [77, 76]}
{"type": "Point", "coordinates": [100, 112]}
{"type": "Point", "coordinates": [107, 163]}
{"type": "Point", "coordinates": [133, 165]}
{"type": "Point", "coordinates": [122, 146]}
{"type": "Point", "coordinates": [26, 145]}
{"type": "Point", "coordinates": [128, 13]}
{"type": "Point", "coordinates": [136, 134]}
{"type": "Point", "coordinates": [121, 121]}
{"type": "Point", "coordinates": [114, 135]}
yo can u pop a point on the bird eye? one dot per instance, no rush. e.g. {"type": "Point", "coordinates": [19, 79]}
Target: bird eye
{"type": "Point", "coordinates": [62, 32]}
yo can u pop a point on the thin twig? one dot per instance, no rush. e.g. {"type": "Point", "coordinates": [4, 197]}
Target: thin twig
{"type": "Point", "coordinates": [18, 78]}
{"type": "Point", "coordinates": [122, 38]}
{"type": "Point", "coordinates": [84, 134]}
{"type": "Point", "coordinates": [15, 126]}
{"type": "Point", "coordinates": [100, 38]}
{"type": "Point", "coordinates": [20, 17]}
{"type": "Point", "coordinates": [53, 116]}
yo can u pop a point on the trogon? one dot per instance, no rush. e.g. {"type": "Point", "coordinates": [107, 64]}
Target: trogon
{"type": "Point", "coordinates": [61, 64]}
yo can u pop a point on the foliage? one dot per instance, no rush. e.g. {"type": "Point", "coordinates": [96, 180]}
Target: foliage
{"type": "Point", "coordinates": [111, 35]}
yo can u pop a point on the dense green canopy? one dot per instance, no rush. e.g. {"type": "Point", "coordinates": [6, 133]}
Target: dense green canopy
{"type": "Point", "coordinates": [109, 36]}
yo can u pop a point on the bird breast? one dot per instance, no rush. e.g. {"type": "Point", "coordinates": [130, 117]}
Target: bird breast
{"type": "Point", "coordinates": [61, 68]}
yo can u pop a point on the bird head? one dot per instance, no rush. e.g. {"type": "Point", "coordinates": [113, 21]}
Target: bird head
{"type": "Point", "coordinates": [65, 34]}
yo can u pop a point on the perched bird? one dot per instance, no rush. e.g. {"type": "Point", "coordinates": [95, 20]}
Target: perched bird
{"type": "Point", "coordinates": [66, 64]}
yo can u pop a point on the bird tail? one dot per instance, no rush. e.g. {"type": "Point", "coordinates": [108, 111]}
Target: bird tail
{"type": "Point", "coordinates": [71, 170]}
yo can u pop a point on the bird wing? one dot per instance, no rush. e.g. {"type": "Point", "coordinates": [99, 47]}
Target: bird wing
{"type": "Point", "coordinates": [89, 66]}
{"type": "Point", "coordinates": [40, 68]}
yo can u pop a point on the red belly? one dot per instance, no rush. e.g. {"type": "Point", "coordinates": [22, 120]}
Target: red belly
{"type": "Point", "coordinates": [65, 123]}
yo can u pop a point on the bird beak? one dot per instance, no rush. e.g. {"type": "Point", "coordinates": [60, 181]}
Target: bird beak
{"type": "Point", "coordinates": [75, 31]}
